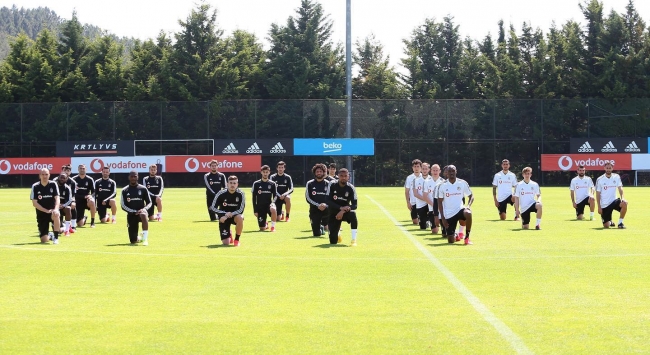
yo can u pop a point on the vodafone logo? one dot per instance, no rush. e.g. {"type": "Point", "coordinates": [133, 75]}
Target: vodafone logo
{"type": "Point", "coordinates": [5, 167]}
{"type": "Point", "coordinates": [313, 193]}
{"type": "Point", "coordinates": [96, 165]}
{"type": "Point", "coordinates": [565, 166]}
{"type": "Point", "coordinates": [192, 165]}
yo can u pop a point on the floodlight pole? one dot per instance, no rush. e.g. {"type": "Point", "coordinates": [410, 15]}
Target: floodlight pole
{"type": "Point", "coordinates": [348, 74]}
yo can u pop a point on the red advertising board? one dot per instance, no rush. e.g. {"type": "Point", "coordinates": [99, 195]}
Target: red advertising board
{"type": "Point", "coordinates": [201, 163]}
{"type": "Point", "coordinates": [26, 166]}
{"type": "Point", "coordinates": [570, 162]}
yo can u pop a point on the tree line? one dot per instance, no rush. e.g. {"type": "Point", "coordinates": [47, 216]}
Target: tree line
{"type": "Point", "coordinates": [608, 58]}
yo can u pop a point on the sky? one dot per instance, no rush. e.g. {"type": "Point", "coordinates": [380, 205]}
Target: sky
{"type": "Point", "coordinates": [389, 21]}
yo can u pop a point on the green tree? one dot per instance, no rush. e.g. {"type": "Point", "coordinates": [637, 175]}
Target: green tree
{"type": "Point", "coordinates": [376, 78]}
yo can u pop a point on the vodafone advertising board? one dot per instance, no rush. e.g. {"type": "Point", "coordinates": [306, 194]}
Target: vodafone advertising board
{"type": "Point", "coordinates": [570, 162]}
{"type": "Point", "coordinates": [140, 164]}
{"type": "Point", "coordinates": [23, 166]}
{"type": "Point", "coordinates": [201, 163]}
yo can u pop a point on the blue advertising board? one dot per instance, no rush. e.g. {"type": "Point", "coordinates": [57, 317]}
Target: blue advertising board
{"type": "Point", "coordinates": [334, 146]}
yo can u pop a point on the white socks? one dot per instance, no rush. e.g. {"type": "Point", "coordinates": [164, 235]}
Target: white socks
{"type": "Point", "coordinates": [145, 234]}
{"type": "Point", "coordinates": [539, 221]}
{"type": "Point", "coordinates": [354, 234]}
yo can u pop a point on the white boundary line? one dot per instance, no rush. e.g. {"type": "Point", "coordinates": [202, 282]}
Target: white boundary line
{"type": "Point", "coordinates": [507, 333]}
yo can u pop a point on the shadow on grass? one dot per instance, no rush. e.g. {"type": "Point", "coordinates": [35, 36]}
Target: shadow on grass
{"type": "Point", "coordinates": [444, 243]}
{"type": "Point", "coordinates": [216, 246]}
{"type": "Point", "coordinates": [120, 245]}
{"type": "Point", "coordinates": [311, 237]}
{"type": "Point", "coordinates": [204, 221]}
{"type": "Point", "coordinates": [34, 243]}
{"type": "Point", "coordinates": [326, 246]}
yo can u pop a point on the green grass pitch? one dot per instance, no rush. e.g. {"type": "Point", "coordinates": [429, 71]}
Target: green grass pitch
{"type": "Point", "coordinates": [571, 288]}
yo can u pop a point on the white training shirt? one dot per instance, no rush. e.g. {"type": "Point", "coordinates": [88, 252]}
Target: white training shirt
{"type": "Point", "coordinates": [452, 195]}
{"type": "Point", "coordinates": [607, 188]}
{"type": "Point", "coordinates": [582, 187]}
{"type": "Point", "coordinates": [418, 185]}
{"type": "Point", "coordinates": [526, 193]}
{"type": "Point", "coordinates": [409, 185]}
{"type": "Point", "coordinates": [429, 186]}
{"type": "Point", "coordinates": [504, 183]}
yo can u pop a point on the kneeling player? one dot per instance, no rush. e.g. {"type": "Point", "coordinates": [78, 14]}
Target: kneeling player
{"type": "Point", "coordinates": [582, 194]}
{"type": "Point", "coordinates": [65, 200]}
{"type": "Point", "coordinates": [342, 202]}
{"type": "Point", "coordinates": [264, 192]}
{"type": "Point", "coordinates": [285, 188]}
{"type": "Point", "coordinates": [451, 194]}
{"type": "Point", "coordinates": [84, 196]}
{"type": "Point", "coordinates": [135, 202]}
{"type": "Point", "coordinates": [155, 186]}
{"type": "Point", "coordinates": [229, 206]}
{"type": "Point", "coordinates": [528, 199]}
{"type": "Point", "coordinates": [105, 191]}
{"type": "Point", "coordinates": [45, 199]}
{"type": "Point", "coordinates": [316, 196]}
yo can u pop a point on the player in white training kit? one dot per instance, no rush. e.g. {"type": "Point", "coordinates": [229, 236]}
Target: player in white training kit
{"type": "Point", "coordinates": [606, 186]}
{"type": "Point", "coordinates": [452, 209]}
{"type": "Point", "coordinates": [582, 194]}
{"type": "Point", "coordinates": [528, 199]}
{"type": "Point", "coordinates": [503, 185]}
{"type": "Point", "coordinates": [416, 164]}
{"type": "Point", "coordinates": [418, 188]}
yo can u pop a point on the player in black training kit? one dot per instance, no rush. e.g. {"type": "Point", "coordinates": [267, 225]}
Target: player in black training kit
{"type": "Point", "coordinates": [67, 169]}
{"type": "Point", "coordinates": [331, 173]}
{"type": "Point", "coordinates": [66, 198]}
{"type": "Point", "coordinates": [155, 185]}
{"type": "Point", "coordinates": [285, 188]}
{"type": "Point", "coordinates": [316, 196]}
{"type": "Point", "coordinates": [229, 206]}
{"type": "Point", "coordinates": [105, 192]}
{"type": "Point", "coordinates": [214, 182]}
{"type": "Point", "coordinates": [83, 196]}
{"type": "Point", "coordinates": [264, 194]}
{"type": "Point", "coordinates": [45, 198]}
{"type": "Point", "coordinates": [342, 202]}
{"type": "Point", "coordinates": [135, 202]}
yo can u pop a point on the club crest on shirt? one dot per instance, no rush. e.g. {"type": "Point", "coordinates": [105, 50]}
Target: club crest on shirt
{"type": "Point", "coordinates": [139, 193]}
{"type": "Point", "coordinates": [51, 191]}
{"type": "Point", "coordinates": [236, 199]}
{"type": "Point", "coordinates": [346, 194]}
{"type": "Point", "coordinates": [458, 188]}
{"type": "Point", "coordinates": [531, 188]}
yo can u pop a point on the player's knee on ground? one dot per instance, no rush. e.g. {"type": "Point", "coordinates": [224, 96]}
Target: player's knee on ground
{"type": "Point", "coordinates": [502, 216]}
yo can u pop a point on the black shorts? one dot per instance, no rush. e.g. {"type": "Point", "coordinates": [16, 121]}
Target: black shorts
{"type": "Point", "coordinates": [607, 211]}
{"type": "Point", "coordinates": [436, 213]}
{"type": "Point", "coordinates": [279, 203]}
{"type": "Point", "coordinates": [580, 207]}
{"type": "Point", "coordinates": [224, 228]}
{"type": "Point", "coordinates": [525, 216]}
{"type": "Point", "coordinates": [414, 212]}
{"type": "Point", "coordinates": [262, 212]}
{"type": "Point", "coordinates": [101, 209]}
{"type": "Point", "coordinates": [82, 206]}
{"type": "Point", "coordinates": [503, 205]}
{"type": "Point", "coordinates": [453, 221]}
{"type": "Point", "coordinates": [43, 221]}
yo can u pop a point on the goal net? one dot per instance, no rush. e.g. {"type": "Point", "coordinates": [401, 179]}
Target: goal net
{"type": "Point", "coordinates": [641, 178]}
{"type": "Point", "coordinates": [174, 147]}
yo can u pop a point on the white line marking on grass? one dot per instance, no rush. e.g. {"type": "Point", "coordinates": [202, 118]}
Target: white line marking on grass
{"type": "Point", "coordinates": [501, 327]}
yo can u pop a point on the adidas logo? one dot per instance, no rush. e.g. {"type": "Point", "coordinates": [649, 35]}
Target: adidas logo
{"type": "Point", "coordinates": [609, 148]}
{"type": "Point", "coordinates": [585, 148]}
{"type": "Point", "coordinates": [633, 148]}
{"type": "Point", "coordinates": [230, 149]}
{"type": "Point", "coordinates": [278, 148]}
{"type": "Point", "coordinates": [254, 148]}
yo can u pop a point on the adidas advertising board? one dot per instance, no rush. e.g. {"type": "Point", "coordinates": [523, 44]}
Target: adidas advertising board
{"type": "Point", "coordinates": [265, 146]}
{"type": "Point", "coordinates": [609, 145]}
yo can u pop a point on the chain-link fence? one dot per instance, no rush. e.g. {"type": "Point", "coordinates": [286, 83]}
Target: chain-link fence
{"type": "Point", "coordinates": [475, 135]}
